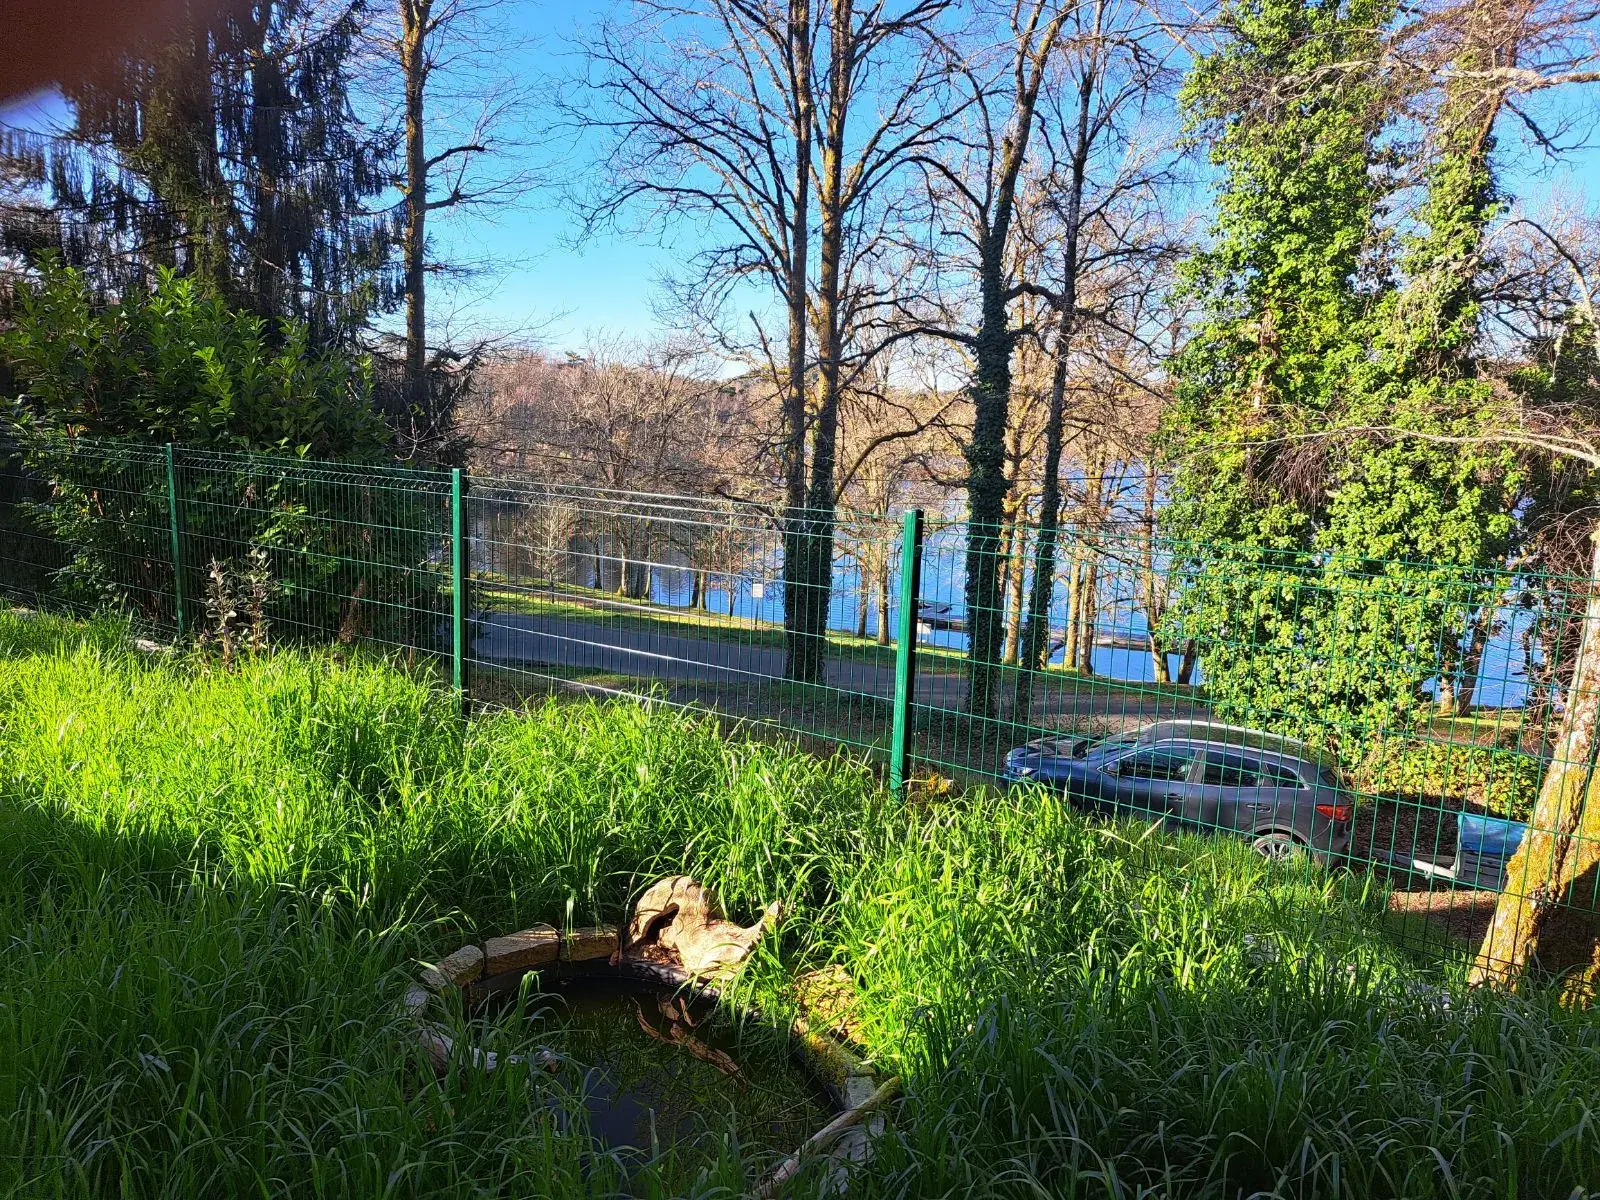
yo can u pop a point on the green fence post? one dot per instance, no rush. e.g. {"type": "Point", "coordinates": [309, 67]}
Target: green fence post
{"type": "Point", "coordinates": [905, 651]}
{"type": "Point", "coordinates": [175, 529]}
{"type": "Point", "coordinates": [460, 573]}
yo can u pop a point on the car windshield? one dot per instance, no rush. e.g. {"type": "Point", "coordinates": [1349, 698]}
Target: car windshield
{"type": "Point", "coordinates": [1117, 741]}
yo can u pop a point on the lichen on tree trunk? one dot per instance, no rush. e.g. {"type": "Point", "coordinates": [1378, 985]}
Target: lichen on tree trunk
{"type": "Point", "coordinates": [1545, 915]}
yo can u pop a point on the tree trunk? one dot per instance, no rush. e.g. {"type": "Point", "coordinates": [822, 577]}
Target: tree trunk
{"type": "Point", "coordinates": [991, 380]}
{"type": "Point", "coordinates": [414, 18]}
{"type": "Point", "coordinates": [1559, 854]}
{"type": "Point", "coordinates": [209, 230]}
{"type": "Point", "coordinates": [1036, 633]}
{"type": "Point", "coordinates": [1186, 665]}
{"type": "Point", "coordinates": [817, 583]}
{"type": "Point", "coordinates": [1034, 653]}
{"type": "Point", "coordinates": [1482, 631]}
{"type": "Point", "coordinates": [267, 97]}
{"type": "Point", "coordinates": [1158, 661]}
{"type": "Point", "coordinates": [863, 600]}
{"type": "Point", "coordinates": [1016, 571]}
{"type": "Point", "coordinates": [697, 590]}
{"type": "Point", "coordinates": [1069, 649]}
{"type": "Point", "coordinates": [986, 483]}
{"type": "Point", "coordinates": [1089, 612]}
{"type": "Point", "coordinates": [885, 638]}
{"type": "Point", "coordinates": [802, 663]}
{"type": "Point", "coordinates": [1094, 480]}
{"type": "Point", "coordinates": [1155, 593]}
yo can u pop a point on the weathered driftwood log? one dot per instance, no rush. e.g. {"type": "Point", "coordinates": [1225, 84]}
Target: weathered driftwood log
{"type": "Point", "coordinates": [678, 921]}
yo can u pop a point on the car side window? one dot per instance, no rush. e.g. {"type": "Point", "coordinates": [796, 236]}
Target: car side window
{"type": "Point", "coordinates": [1233, 770]}
{"type": "Point", "coordinates": [1276, 776]}
{"type": "Point", "coordinates": [1166, 765]}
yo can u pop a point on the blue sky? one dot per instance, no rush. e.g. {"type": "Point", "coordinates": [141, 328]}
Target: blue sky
{"type": "Point", "coordinates": [538, 280]}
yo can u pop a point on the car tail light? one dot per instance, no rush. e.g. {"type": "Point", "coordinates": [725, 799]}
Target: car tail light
{"type": "Point", "coordinates": [1337, 812]}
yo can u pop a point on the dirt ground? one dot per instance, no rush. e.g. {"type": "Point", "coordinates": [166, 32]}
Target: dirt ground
{"type": "Point", "coordinates": [1462, 916]}
{"type": "Point", "coordinates": [1407, 828]}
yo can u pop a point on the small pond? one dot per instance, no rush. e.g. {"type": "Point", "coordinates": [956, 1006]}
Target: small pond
{"type": "Point", "coordinates": [651, 1071]}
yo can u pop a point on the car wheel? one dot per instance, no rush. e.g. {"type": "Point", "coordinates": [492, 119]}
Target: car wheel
{"type": "Point", "coordinates": [1278, 846]}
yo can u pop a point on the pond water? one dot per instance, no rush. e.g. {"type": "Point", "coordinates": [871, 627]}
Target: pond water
{"type": "Point", "coordinates": [649, 1072]}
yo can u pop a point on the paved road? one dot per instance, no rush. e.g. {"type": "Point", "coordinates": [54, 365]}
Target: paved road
{"type": "Point", "coordinates": [528, 639]}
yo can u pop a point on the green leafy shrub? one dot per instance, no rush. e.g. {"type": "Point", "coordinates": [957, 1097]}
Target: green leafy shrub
{"type": "Point", "coordinates": [174, 364]}
{"type": "Point", "coordinates": [1497, 781]}
{"type": "Point", "coordinates": [101, 385]}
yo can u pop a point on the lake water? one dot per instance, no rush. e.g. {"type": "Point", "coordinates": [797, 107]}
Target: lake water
{"type": "Point", "coordinates": [1502, 678]}
{"type": "Point", "coordinates": [1120, 630]}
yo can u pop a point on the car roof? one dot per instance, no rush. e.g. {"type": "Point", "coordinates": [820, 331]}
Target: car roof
{"type": "Point", "coordinates": [1232, 737]}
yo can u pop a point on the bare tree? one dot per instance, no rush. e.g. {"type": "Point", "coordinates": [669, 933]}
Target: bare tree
{"type": "Point", "coordinates": [1001, 63]}
{"type": "Point", "coordinates": [1104, 181]}
{"type": "Point", "coordinates": [875, 109]}
{"type": "Point", "coordinates": [890, 432]}
{"type": "Point", "coordinates": [784, 124]}
{"type": "Point", "coordinates": [624, 417]}
{"type": "Point", "coordinates": [710, 114]}
{"type": "Point", "coordinates": [447, 54]}
{"type": "Point", "coordinates": [724, 543]}
{"type": "Point", "coordinates": [623, 414]}
{"type": "Point", "coordinates": [535, 541]}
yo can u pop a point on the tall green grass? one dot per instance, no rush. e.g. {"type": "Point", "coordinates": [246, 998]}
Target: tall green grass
{"type": "Point", "coordinates": [215, 882]}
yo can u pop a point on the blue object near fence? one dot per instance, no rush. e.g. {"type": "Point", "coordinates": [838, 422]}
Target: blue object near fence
{"type": "Point", "coordinates": [1484, 845]}
{"type": "Point", "coordinates": [1491, 836]}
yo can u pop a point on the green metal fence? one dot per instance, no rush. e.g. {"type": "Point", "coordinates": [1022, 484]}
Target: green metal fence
{"type": "Point", "coordinates": [1395, 719]}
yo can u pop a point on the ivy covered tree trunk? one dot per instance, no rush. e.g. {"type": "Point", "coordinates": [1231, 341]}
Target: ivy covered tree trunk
{"type": "Point", "coordinates": [986, 490]}
{"type": "Point", "coordinates": [1034, 33]}
{"type": "Point", "coordinates": [1560, 854]}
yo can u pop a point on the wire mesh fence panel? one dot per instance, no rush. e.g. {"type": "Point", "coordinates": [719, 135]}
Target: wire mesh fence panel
{"type": "Point", "coordinates": [1424, 731]}
{"type": "Point", "coordinates": [1396, 719]}
{"type": "Point", "coordinates": [678, 599]}
{"type": "Point", "coordinates": [307, 551]}
{"type": "Point", "coordinates": [87, 526]}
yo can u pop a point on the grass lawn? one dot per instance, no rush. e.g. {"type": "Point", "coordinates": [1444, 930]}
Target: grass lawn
{"type": "Point", "coordinates": [215, 883]}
